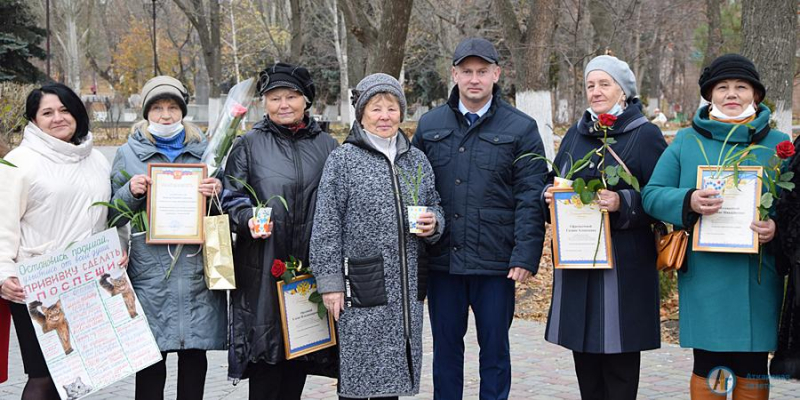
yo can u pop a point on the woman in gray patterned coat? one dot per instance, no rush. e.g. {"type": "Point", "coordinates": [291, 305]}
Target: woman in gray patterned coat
{"type": "Point", "coordinates": [364, 258]}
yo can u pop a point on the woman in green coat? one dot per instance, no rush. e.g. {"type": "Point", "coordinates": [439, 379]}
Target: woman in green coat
{"type": "Point", "coordinates": [727, 316]}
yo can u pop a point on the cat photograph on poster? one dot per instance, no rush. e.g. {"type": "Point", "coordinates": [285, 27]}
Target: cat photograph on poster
{"type": "Point", "coordinates": [77, 389]}
{"type": "Point", "coordinates": [52, 318]}
{"type": "Point", "coordinates": [120, 285]}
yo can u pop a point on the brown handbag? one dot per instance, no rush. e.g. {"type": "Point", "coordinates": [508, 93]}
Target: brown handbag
{"type": "Point", "coordinates": [671, 248]}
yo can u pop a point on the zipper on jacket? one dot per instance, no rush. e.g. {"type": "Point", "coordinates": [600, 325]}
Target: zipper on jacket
{"type": "Point", "coordinates": [298, 167]}
{"type": "Point", "coordinates": [403, 268]}
{"type": "Point", "coordinates": [180, 308]}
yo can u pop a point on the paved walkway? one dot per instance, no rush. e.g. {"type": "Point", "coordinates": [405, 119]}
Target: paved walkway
{"type": "Point", "coordinates": [540, 371]}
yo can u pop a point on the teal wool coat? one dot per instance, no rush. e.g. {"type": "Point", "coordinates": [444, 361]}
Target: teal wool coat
{"type": "Point", "coordinates": [722, 305]}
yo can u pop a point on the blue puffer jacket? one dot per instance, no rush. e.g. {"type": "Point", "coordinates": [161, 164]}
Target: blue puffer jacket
{"type": "Point", "coordinates": [181, 311]}
{"type": "Point", "coordinates": [491, 204]}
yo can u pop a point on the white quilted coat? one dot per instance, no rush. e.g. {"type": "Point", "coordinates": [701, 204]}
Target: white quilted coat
{"type": "Point", "coordinates": [47, 198]}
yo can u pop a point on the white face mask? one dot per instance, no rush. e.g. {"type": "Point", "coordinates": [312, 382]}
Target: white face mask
{"type": "Point", "coordinates": [165, 131]}
{"type": "Point", "coordinates": [615, 111]}
{"type": "Point", "coordinates": [717, 113]}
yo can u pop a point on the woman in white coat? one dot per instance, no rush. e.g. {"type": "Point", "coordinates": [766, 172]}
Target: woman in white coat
{"type": "Point", "coordinates": [47, 197]}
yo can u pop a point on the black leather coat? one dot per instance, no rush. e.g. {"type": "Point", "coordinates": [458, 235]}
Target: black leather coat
{"type": "Point", "coordinates": [274, 161]}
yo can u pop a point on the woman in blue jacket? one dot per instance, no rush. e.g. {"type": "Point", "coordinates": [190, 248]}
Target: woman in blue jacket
{"type": "Point", "coordinates": [186, 318]}
{"type": "Point", "coordinates": [608, 316]}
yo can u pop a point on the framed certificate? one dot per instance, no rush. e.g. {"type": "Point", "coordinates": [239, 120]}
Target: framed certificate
{"type": "Point", "coordinates": [175, 207]}
{"type": "Point", "coordinates": [303, 330]}
{"type": "Point", "coordinates": [581, 233]}
{"type": "Point", "coordinates": [728, 231]}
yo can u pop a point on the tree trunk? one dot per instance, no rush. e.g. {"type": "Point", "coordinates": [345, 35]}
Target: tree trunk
{"type": "Point", "coordinates": [207, 27]}
{"type": "Point", "coordinates": [714, 39]}
{"type": "Point", "coordinates": [357, 57]}
{"type": "Point", "coordinates": [235, 47]}
{"type": "Point", "coordinates": [769, 39]}
{"type": "Point", "coordinates": [340, 45]}
{"type": "Point", "coordinates": [213, 54]}
{"type": "Point", "coordinates": [391, 46]}
{"type": "Point", "coordinates": [603, 25]}
{"type": "Point", "coordinates": [297, 42]}
{"type": "Point", "coordinates": [69, 41]}
{"type": "Point", "coordinates": [385, 44]}
{"type": "Point", "coordinates": [530, 53]}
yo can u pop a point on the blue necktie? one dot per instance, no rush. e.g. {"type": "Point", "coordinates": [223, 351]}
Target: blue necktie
{"type": "Point", "coordinates": [471, 117]}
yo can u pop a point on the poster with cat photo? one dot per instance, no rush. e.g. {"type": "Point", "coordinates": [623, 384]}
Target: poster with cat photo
{"type": "Point", "coordinates": [88, 321]}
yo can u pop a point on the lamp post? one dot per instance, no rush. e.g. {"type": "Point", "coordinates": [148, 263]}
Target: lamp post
{"type": "Point", "coordinates": [152, 5]}
{"type": "Point", "coordinates": [47, 12]}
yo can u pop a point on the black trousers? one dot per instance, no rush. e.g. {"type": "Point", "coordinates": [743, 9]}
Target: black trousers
{"type": "Point", "coordinates": [607, 376]}
{"type": "Point", "coordinates": [282, 381]}
{"type": "Point", "coordinates": [742, 364]}
{"type": "Point", "coordinates": [192, 367]}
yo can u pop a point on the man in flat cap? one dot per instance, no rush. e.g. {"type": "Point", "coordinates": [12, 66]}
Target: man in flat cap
{"type": "Point", "coordinates": [494, 226]}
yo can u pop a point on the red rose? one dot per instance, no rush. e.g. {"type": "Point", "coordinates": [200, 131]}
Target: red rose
{"type": "Point", "coordinates": [784, 149]}
{"type": "Point", "coordinates": [278, 268]}
{"type": "Point", "coordinates": [606, 120]}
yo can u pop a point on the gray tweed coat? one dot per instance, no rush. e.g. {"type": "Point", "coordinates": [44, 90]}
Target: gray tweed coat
{"type": "Point", "coordinates": [358, 218]}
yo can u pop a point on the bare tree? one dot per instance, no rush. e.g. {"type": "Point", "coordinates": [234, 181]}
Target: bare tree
{"type": "Point", "coordinates": [233, 43]}
{"type": "Point", "coordinates": [574, 46]}
{"type": "Point", "coordinates": [69, 18]}
{"type": "Point", "coordinates": [601, 19]}
{"type": "Point", "coordinates": [297, 42]}
{"type": "Point", "coordinates": [448, 22]}
{"type": "Point", "coordinates": [714, 40]}
{"type": "Point", "coordinates": [769, 39]}
{"type": "Point", "coordinates": [205, 18]}
{"type": "Point", "coordinates": [385, 43]}
{"type": "Point", "coordinates": [102, 42]}
{"type": "Point", "coordinates": [530, 42]}
{"type": "Point", "coordinates": [339, 38]}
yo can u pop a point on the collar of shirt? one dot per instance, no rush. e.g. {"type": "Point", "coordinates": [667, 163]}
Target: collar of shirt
{"type": "Point", "coordinates": [463, 109]}
{"type": "Point", "coordinates": [387, 146]}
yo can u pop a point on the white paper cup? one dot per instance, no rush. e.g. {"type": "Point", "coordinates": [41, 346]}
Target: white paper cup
{"type": "Point", "coordinates": [562, 183]}
{"type": "Point", "coordinates": [715, 183]}
{"type": "Point", "coordinates": [413, 214]}
{"type": "Point", "coordinates": [262, 217]}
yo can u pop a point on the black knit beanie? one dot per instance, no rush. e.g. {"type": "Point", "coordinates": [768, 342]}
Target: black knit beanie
{"type": "Point", "coordinates": [730, 66]}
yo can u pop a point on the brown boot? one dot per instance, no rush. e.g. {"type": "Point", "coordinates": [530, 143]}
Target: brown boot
{"type": "Point", "coordinates": [751, 389]}
{"type": "Point", "coordinates": [699, 390]}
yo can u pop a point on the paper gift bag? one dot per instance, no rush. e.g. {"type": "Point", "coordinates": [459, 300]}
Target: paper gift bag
{"type": "Point", "coordinates": [218, 253]}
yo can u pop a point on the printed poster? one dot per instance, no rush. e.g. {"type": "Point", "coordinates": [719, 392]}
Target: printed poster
{"type": "Point", "coordinates": [87, 318]}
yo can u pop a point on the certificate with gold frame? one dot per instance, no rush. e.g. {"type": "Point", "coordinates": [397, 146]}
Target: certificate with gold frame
{"type": "Point", "coordinates": [304, 331]}
{"type": "Point", "coordinates": [728, 230]}
{"type": "Point", "coordinates": [581, 232]}
{"type": "Point", "coordinates": [175, 206]}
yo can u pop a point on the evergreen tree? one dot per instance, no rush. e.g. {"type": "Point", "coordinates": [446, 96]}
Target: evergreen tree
{"type": "Point", "coordinates": [19, 42]}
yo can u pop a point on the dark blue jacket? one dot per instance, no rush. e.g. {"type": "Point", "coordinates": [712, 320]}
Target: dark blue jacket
{"type": "Point", "coordinates": [492, 210]}
{"type": "Point", "coordinates": [612, 310]}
